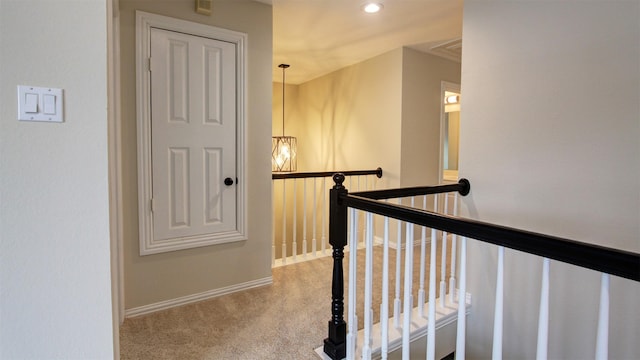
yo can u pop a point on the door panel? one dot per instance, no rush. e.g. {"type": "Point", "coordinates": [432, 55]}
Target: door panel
{"type": "Point", "coordinates": [179, 201]}
{"type": "Point", "coordinates": [213, 74]}
{"type": "Point", "coordinates": [177, 77]}
{"type": "Point", "coordinates": [193, 131]}
{"type": "Point", "coordinates": [213, 185]}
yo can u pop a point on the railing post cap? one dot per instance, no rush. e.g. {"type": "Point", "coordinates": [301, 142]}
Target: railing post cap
{"type": "Point", "coordinates": [338, 179]}
{"type": "Point", "coordinates": [466, 187]}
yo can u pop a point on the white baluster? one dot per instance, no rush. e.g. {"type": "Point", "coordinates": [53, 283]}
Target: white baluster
{"type": "Point", "coordinates": [462, 303]}
{"type": "Point", "coordinates": [431, 324]}
{"type": "Point", "coordinates": [304, 220]}
{"type": "Point", "coordinates": [353, 188]}
{"type": "Point", "coordinates": [284, 222]}
{"type": "Point", "coordinates": [314, 245]}
{"type": "Point", "coordinates": [294, 244]}
{"type": "Point", "coordinates": [602, 338]}
{"type": "Point", "coordinates": [323, 241]}
{"type": "Point", "coordinates": [497, 319]}
{"type": "Point", "coordinates": [543, 314]}
{"type": "Point", "coordinates": [352, 322]}
{"type": "Point", "coordinates": [361, 231]}
{"type": "Point", "coordinates": [396, 302]}
{"type": "Point", "coordinates": [384, 307]}
{"type": "Point", "coordinates": [364, 235]}
{"type": "Point", "coordinates": [454, 238]}
{"type": "Point", "coordinates": [423, 263]}
{"type": "Point", "coordinates": [443, 262]}
{"type": "Point", "coordinates": [273, 230]}
{"type": "Point", "coordinates": [368, 290]}
{"type": "Point", "coordinates": [349, 220]}
{"type": "Point", "coordinates": [423, 260]}
{"type": "Point", "coordinates": [408, 296]}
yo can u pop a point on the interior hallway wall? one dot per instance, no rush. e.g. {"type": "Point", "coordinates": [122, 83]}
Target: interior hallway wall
{"type": "Point", "coordinates": [382, 112]}
{"type": "Point", "coordinates": [351, 118]}
{"type": "Point", "coordinates": [422, 76]}
{"type": "Point", "coordinates": [154, 278]}
{"type": "Point", "coordinates": [550, 130]}
{"type": "Point", "coordinates": [55, 281]}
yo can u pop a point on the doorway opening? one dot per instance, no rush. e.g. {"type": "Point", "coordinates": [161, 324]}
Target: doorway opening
{"type": "Point", "coordinates": [449, 132]}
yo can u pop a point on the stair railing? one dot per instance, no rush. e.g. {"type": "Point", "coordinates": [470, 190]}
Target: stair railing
{"type": "Point", "coordinates": [342, 342]}
{"type": "Point", "coordinates": [308, 210]}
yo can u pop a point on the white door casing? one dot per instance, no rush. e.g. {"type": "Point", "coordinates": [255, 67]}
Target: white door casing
{"type": "Point", "coordinates": [445, 86]}
{"type": "Point", "coordinates": [190, 134]}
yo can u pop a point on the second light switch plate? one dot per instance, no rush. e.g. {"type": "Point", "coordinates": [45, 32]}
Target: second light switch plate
{"type": "Point", "coordinates": [40, 104]}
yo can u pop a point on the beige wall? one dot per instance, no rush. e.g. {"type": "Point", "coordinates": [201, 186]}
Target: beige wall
{"type": "Point", "coordinates": [382, 112]}
{"type": "Point", "coordinates": [346, 120]}
{"type": "Point", "coordinates": [55, 284]}
{"type": "Point", "coordinates": [351, 118]}
{"type": "Point", "coordinates": [561, 156]}
{"type": "Point", "coordinates": [292, 109]}
{"type": "Point", "coordinates": [154, 278]}
{"type": "Point", "coordinates": [422, 76]}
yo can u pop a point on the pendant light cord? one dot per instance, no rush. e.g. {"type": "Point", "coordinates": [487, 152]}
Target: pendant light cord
{"type": "Point", "coordinates": [283, 66]}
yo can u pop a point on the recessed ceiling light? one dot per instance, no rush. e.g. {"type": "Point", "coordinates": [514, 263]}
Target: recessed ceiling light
{"type": "Point", "coordinates": [372, 7]}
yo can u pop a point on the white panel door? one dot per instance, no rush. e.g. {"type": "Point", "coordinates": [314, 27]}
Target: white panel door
{"type": "Point", "coordinates": [193, 136]}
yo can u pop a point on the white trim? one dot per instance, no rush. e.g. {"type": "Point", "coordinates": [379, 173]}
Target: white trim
{"type": "Point", "coordinates": [189, 299]}
{"type": "Point", "coordinates": [144, 22]}
{"type": "Point", "coordinates": [444, 86]}
{"type": "Point", "coordinates": [117, 158]}
{"type": "Point", "coordinates": [299, 258]}
{"type": "Point", "coordinates": [114, 161]}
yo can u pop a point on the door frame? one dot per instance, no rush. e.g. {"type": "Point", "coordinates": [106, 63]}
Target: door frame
{"type": "Point", "coordinates": [444, 86]}
{"type": "Point", "coordinates": [144, 22]}
{"type": "Point", "coordinates": [115, 179]}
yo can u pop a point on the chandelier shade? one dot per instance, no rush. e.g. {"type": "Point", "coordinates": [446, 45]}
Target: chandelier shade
{"type": "Point", "coordinates": [284, 149]}
{"type": "Point", "coordinates": [283, 153]}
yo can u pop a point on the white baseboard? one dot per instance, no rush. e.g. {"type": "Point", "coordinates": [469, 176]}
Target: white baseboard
{"type": "Point", "coordinates": [302, 257]}
{"type": "Point", "coordinates": [184, 300]}
{"type": "Point", "coordinates": [377, 240]}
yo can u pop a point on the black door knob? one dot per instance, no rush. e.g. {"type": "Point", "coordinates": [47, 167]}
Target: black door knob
{"type": "Point", "coordinates": [228, 181]}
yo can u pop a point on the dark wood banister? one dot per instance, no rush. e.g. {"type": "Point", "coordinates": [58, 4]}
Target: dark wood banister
{"type": "Point", "coordinates": [463, 186]}
{"type": "Point", "coordinates": [599, 258]}
{"type": "Point", "coordinates": [318, 174]}
{"type": "Point", "coordinates": [607, 260]}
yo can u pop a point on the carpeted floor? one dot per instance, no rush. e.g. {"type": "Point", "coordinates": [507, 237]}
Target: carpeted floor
{"type": "Point", "coordinates": [286, 320]}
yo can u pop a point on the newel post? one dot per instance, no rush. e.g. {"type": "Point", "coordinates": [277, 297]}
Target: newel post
{"type": "Point", "coordinates": [335, 346]}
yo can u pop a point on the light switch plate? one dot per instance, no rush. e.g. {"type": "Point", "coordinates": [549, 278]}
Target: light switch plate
{"type": "Point", "coordinates": [40, 104]}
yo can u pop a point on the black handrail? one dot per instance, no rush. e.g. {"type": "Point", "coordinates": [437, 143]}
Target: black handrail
{"type": "Point", "coordinates": [318, 174]}
{"type": "Point", "coordinates": [462, 186]}
{"type": "Point", "coordinates": [607, 260]}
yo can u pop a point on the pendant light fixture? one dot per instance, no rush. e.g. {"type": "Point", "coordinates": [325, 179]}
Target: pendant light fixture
{"type": "Point", "coordinates": [283, 148]}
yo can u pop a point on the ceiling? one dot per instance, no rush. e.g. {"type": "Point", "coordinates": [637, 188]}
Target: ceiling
{"type": "Point", "coordinates": [317, 37]}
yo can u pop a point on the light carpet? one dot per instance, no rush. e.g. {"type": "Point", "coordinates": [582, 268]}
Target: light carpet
{"type": "Point", "coordinates": [285, 320]}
